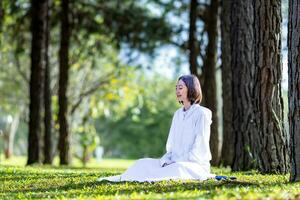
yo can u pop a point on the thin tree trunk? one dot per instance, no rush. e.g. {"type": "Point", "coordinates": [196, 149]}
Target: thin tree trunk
{"type": "Point", "coordinates": [227, 154]}
{"type": "Point", "coordinates": [48, 155]}
{"type": "Point", "coordinates": [1, 15]}
{"type": "Point", "coordinates": [38, 12]}
{"type": "Point", "coordinates": [210, 84]}
{"type": "Point", "coordinates": [9, 150]}
{"type": "Point", "coordinates": [272, 140]}
{"type": "Point", "coordinates": [242, 44]}
{"type": "Point", "coordinates": [193, 38]}
{"type": "Point", "coordinates": [64, 143]}
{"type": "Point", "coordinates": [294, 87]}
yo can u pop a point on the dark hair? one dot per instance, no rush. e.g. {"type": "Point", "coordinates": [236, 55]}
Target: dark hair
{"type": "Point", "coordinates": [192, 83]}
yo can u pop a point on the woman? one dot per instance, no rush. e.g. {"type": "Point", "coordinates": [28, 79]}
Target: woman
{"type": "Point", "coordinates": [188, 153]}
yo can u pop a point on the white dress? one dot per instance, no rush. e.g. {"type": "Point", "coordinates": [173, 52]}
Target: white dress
{"type": "Point", "coordinates": [187, 151]}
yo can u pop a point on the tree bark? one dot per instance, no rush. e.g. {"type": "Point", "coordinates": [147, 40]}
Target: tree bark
{"type": "Point", "coordinates": [38, 12]}
{"type": "Point", "coordinates": [227, 153]}
{"type": "Point", "coordinates": [294, 87]}
{"type": "Point", "coordinates": [256, 62]}
{"type": "Point", "coordinates": [272, 141]}
{"type": "Point", "coordinates": [209, 73]}
{"type": "Point", "coordinates": [64, 143]}
{"type": "Point", "coordinates": [193, 38]}
{"type": "Point", "coordinates": [245, 126]}
{"type": "Point", "coordinates": [48, 155]}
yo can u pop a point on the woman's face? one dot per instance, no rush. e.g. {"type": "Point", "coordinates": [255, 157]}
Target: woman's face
{"type": "Point", "coordinates": [181, 91]}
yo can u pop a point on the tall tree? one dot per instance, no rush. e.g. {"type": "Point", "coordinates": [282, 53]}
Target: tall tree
{"type": "Point", "coordinates": [294, 87]}
{"type": "Point", "coordinates": [242, 64]}
{"type": "Point", "coordinates": [38, 25]}
{"type": "Point", "coordinates": [227, 153]}
{"type": "Point", "coordinates": [48, 157]}
{"type": "Point", "coordinates": [272, 140]}
{"type": "Point", "coordinates": [64, 143]}
{"type": "Point", "coordinates": [193, 42]}
{"type": "Point", "coordinates": [261, 141]}
{"type": "Point", "coordinates": [209, 75]}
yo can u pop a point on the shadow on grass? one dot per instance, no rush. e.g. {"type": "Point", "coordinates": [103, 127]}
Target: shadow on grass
{"type": "Point", "coordinates": [65, 185]}
{"type": "Point", "coordinates": [109, 188]}
{"type": "Point", "coordinates": [30, 176]}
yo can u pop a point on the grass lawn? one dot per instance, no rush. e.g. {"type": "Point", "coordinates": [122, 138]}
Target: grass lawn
{"type": "Point", "coordinates": [42, 182]}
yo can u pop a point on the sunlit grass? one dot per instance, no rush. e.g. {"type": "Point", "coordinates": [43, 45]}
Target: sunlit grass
{"type": "Point", "coordinates": [40, 182]}
{"type": "Point", "coordinates": [93, 163]}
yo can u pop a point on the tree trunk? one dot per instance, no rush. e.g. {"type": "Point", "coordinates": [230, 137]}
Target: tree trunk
{"type": "Point", "coordinates": [85, 155]}
{"type": "Point", "coordinates": [48, 156]}
{"type": "Point", "coordinates": [38, 16]}
{"type": "Point", "coordinates": [245, 126]}
{"type": "Point", "coordinates": [11, 132]}
{"type": "Point", "coordinates": [256, 62]}
{"type": "Point", "coordinates": [193, 38]}
{"type": "Point", "coordinates": [64, 143]}
{"type": "Point", "coordinates": [294, 87]}
{"type": "Point", "coordinates": [1, 15]}
{"type": "Point", "coordinates": [209, 73]}
{"type": "Point", "coordinates": [227, 154]}
{"type": "Point", "coordinates": [272, 141]}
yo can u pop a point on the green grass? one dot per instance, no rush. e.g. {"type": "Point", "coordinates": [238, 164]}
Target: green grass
{"type": "Point", "coordinates": [106, 163]}
{"type": "Point", "coordinates": [42, 182]}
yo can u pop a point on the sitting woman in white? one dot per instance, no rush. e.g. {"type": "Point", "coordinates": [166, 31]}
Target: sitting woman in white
{"type": "Point", "coordinates": [188, 153]}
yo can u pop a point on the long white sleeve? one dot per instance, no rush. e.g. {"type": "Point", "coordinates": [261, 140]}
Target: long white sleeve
{"type": "Point", "coordinates": [166, 158]}
{"type": "Point", "coordinates": [200, 151]}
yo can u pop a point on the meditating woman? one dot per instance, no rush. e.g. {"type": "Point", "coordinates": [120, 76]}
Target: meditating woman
{"type": "Point", "coordinates": [187, 150]}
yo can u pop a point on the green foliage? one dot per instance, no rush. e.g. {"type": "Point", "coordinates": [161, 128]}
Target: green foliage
{"type": "Point", "coordinates": [142, 129]}
{"type": "Point", "coordinates": [14, 58]}
{"type": "Point", "coordinates": [88, 141]}
{"type": "Point", "coordinates": [99, 28]}
{"type": "Point", "coordinates": [69, 183]}
{"type": "Point", "coordinates": [133, 23]}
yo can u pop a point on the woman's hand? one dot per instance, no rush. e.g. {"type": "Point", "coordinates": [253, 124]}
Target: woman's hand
{"type": "Point", "coordinates": [166, 164]}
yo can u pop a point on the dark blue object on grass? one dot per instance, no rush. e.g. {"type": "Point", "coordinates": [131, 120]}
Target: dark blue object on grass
{"type": "Point", "coordinates": [219, 178]}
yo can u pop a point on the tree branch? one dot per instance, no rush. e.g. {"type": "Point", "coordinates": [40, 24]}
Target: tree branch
{"type": "Point", "coordinates": [18, 65]}
{"type": "Point", "coordinates": [90, 91]}
{"type": "Point", "coordinates": [203, 11]}
{"type": "Point", "coordinates": [182, 46]}
{"type": "Point", "coordinates": [201, 43]}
